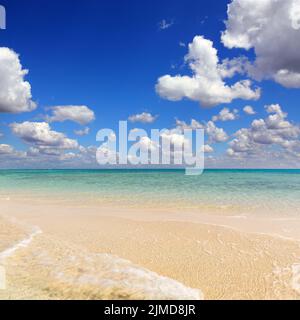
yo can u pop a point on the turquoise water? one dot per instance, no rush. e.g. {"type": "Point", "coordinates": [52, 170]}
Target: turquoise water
{"type": "Point", "coordinates": [268, 190]}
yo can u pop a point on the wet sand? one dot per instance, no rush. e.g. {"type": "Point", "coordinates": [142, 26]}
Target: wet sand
{"type": "Point", "coordinates": [96, 252]}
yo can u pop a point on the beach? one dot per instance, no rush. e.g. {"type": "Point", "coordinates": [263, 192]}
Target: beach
{"type": "Point", "coordinates": [59, 247]}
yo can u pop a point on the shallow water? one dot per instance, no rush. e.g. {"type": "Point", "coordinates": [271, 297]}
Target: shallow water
{"type": "Point", "coordinates": [265, 192]}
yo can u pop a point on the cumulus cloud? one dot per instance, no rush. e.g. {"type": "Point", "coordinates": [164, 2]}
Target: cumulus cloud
{"type": "Point", "coordinates": [41, 156]}
{"type": "Point", "coordinates": [272, 29]}
{"type": "Point", "coordinates": [226, 115]}
{"type": "Point", "coordinates": [8, 152]}
{"type": "Point", "coordinates": [144, 117]}
{"type": "Point", "coordinates": [82, 132]}
{"type": "Point", "coordinates": [15, 92]}
{"type": "Point", "coordinates": [230, 67]}
{"type": "Point", "coordinates": [193, 125]}
{"type": "Point", "coordinates": [214, 133]}
{"type": "Point", "coordinates": [43, 153]}
{"type": "Point", "coordinates": [274, 130]}
{"type": "Point", "coordinates": [80, 114]}
{"type": "Point", "coordinates": [40, 134]}
{"type": "Point", "coordinates": [47, 149]}
{"type": "Point", "coordinates": [6, 149]}
{"type": "Point", "coordinates": [206, 85]}
{"type": "Point", "coordinates": [249, 110]}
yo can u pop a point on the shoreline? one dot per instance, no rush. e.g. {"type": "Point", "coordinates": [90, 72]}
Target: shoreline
{"type": "Point", "coordinates": [285, 227]}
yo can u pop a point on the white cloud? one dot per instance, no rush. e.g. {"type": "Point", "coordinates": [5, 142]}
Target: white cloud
{"type": "Point", "coordinates": [230, 67]}
{"type": "Point", "coordinates": [175, 137]}
{"type": "Point", "coordinates": [277, 118]}
{"type": "Point", "coordinates": [80, 114]}
{"type": "Point", "coordinates": [6, 149]}
{"type": "Point", "coordinates": [249, 110]}
{"type": "Point", "coordinates": [39, 134]}
{"type": "Point", "coordinates": [214, 133]}
{"type": "Point", "coordinates": [48, 157]}
{"type": "Point", "coordinates": [8, 152]}
{"type": "Point", "coordinates": [272, 28]}
{"type": "Point", "coordinates": [193, 125]}
{"type": "Point", "coordinates": [164, 24]}
{"type": "Point", "coordinates": [206, 85]}
{"type": "Point", "coordinates": [15, 92]}
{"type": "Point", "coordinates": [207, 148]}
{"type": "Point", "coordinates": [226, 115]}
{"type": "Point", "coordinates": [82, 132]}
{"type": "Point", "coordinates": [273, 131]}
{"type": "Point", "coordinates": [274, 108]}
{"type": "Point", "coordinates": [144, 117]}
{"type": "Point", "coordinates": [68, 156]}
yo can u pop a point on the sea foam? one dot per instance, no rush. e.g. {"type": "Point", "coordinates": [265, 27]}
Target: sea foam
{"type": "Point", "coordinates": [21, 244]}
{"type": "Point", "coordinates": [116, 278]}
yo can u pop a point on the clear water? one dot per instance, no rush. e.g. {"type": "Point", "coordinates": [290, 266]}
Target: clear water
{"type": "Point", "coordinates": [267, 191]}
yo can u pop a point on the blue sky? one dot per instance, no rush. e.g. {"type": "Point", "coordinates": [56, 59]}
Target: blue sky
{"type": "Point", "coordinates": [109, 55]}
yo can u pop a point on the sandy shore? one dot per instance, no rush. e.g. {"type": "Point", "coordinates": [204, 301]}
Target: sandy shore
{"type": "Point", "coordinates": [93, 252]}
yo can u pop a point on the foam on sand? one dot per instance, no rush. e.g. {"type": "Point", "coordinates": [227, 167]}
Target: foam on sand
{"type": "Point", "coordinates": [21, 244]}
{"type": "Point", "coordinates": [110, 277]}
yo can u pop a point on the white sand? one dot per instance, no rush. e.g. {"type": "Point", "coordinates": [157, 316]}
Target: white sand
{"type": "Point", "coordinates": [93, 252]}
